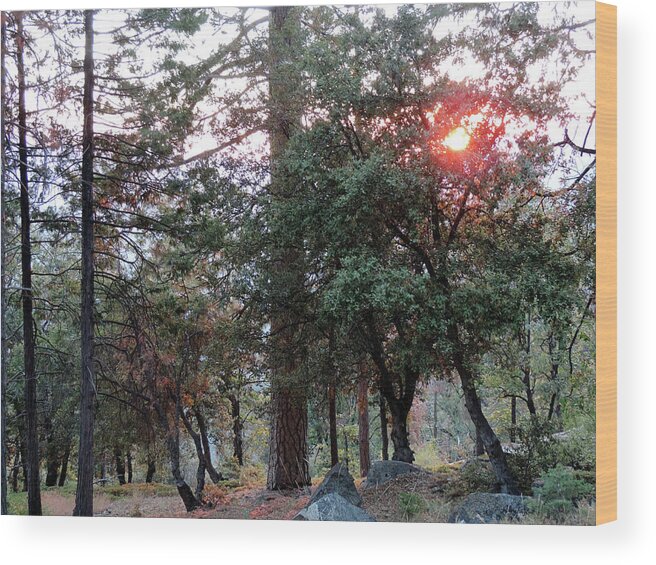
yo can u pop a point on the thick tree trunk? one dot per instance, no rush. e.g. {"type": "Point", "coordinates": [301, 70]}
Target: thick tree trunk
{"type": "Point", "coordinates": [479, 448]}
{"type": "Point", "coordinates": [119, 462]}
{"type": "Point", "coordinates": [332, 425]}
{"type": "Point", "coordinates": [150, 471]}
{"type": "Point", "coordinates": [52, 472]}
{"type": "Point", "coordinates": [363, 424]}
{"type": "Point", "coordinates": [84, 492]}
{"type": "Point", "coordinates": [383, 427]}
{"type": "Point", "coordinates": [31, 417]}
{"type": "Point", "coordinates": [237, 431]}
{"type": "Point", "coordinates": [288, 449]}
{"type": "Point", "coordinates": [400, 436]}
{"type": "Point", "coordinates": [64, 465]}
{"type": "Point", "coordinates": [202, 428]}
{"type": "Point", "coordinates": [288, 459]}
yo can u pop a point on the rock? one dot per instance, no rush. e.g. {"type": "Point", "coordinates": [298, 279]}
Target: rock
{"type": "Point", "coordinates": [382, 471]}
{"type": "Point", "coordinates": [338, 480]}
{"type": "Point", "coordinates": [488, 508]}
{"type": "Point", "coordinates": [335, 508]}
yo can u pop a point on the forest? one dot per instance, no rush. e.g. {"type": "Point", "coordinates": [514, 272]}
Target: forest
{"type": "Point", "coordinates": [313, 263]}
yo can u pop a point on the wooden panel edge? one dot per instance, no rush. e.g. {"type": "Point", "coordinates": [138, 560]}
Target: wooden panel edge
{"type": "Point", "coordinates": [606, 263]}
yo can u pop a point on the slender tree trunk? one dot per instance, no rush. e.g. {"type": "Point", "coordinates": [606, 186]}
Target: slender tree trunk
{"type": "Point", "coordinates": [363, 424]}
{"type": "Point", "coordinates": [554, 404]}
{"type": "Point", "coordinates": [173, 445]}
{"type": "Point", "coordinates": [31, 409]}
{"type": "Point", "coordinates": [129, 466]}
{"type": "Point", "coordinates": [288, 449]}
{"type": "Point", "coordinates": [150, 471]}
{"type": "Point", "coordinates": [383, 427]}
{"type": "Point", "coordinates": [237, 432]}
{"type": "Point", "coordinates": [332, 424]}
{"type": "Point", "coordinates": [4, 508]}
{"type": "Point", "coordinates": [488, 437]}
{"type": "Point", "coordinates": [528, 386]}
{"type": "Point", "coordinates": [16, 468]}
{"type": "Point", "coordinates": [202, 428]}
{"type": "Point", "coordinates": [119, 462]}
{"type": "Point", "coordinates": [198, 444]}
{"type": "Point", "coordinates": [513, 419]}
{"type": "Point", "coordinates": [52, 455]}
{"type": "Point", "coordinates": [64, 465]}
{"type": "Point", "coordinates": [435, 427]}
{"type": "Point", "coordinates": [84, 493]}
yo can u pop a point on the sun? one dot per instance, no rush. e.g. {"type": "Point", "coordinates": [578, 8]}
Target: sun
{"type": "Point", "coordinates": [458, 139]}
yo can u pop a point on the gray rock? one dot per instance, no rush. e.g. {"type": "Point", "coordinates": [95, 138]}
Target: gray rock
{"type": "Point", "coordinates": [488, 508]}
{"type": "Point", "coordinates": [338, 480]}
{"type": "Point", "coordinates": [382, 471]}
{"type": "Point", "coordinates": [333, 508]}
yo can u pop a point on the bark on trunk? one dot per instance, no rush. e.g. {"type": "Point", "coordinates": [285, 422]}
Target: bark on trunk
{"type": "Point", "coordinates": [479, 448]}
{"type": "Point", "coordinates": [383, 427]}
{"type": "Point", "coordinates": [488, 437]}
{"type": "Point", "coordinates": [237, 433]}
{"type": "Point", "coordinates": [129, 467]}
{"type": "Point", "coordinates": [513, 419]}
{"type": "Point", "coordinates": [288, 450]}
{"type": "Point", "coordinates": [400, 436]}
{"type": "Point", "coordinates": [332, 424]}
{"type": "Point", "coordinates": [119, 462]}
{"type": "Point", "coordinates": [198, 444]}
{"type": "Point", "coordinates": [202, 428]}
{"type": "Point", "coordinates": [4, 509]}
{"type": "Point", "coordinates": [150, 471]}
{"type": "Point", "coordinates": [288, 460]}
{"type": "Point", "coordinates": [64, 465]}
{"type": "Point", "coordinates": [84, 492]}
{"type": "Point", "coordinates": [31, 437]}
{"type": "Point", "coordinates": [363, 424]}
{"type": "Point", "coordinates": [52, 472]}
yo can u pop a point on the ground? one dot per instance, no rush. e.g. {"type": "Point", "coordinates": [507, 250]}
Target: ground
{"type": "Point", "coordinates": [425, 497]}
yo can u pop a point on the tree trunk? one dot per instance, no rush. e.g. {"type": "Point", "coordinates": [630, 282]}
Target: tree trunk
{"type": "Point", "coordinates": [383, 427]}
{"type": "Point", "coordinates": [400, 436]}
{"type": "Point", "coordinates": [479, 448]}
{"type": "Point", "coordinates": [237, 433]}
{"type": "Point", "coordinates": [288, 449]}
{"type": "Point", "coordinates": [120, 465]}
{"type": "Point", "coordinates": [64, 465]}
{"type": "Point", "coordinates": [363, 424]}
{"type": "Point", "coordinates": [16, 468]}
{"type": "Point", "coordinates": [513, 419]}
{"type": "Point", "coordinates": [52, 455]}
{"type": "Point", "coordinates": [150, 472]}
{"type": "Point", "coordinates": [198, 444]}
{"type": "Point", "coordinates": [32, 433]}
{"type": "Point", "coordinates": [488, 437]}
{"type": "Point", "coordinates": [332, 424]}
{"type": "Point", "coordinates": [202, 428]}
{"type": "Point", "coordinates": [4, 508]}
{"type": "Point", "coordinates": [129, 465]}
{"type": "Point", "coordinates": [84, 493]}
{"type": "Point", "coordinates": [288, 459]}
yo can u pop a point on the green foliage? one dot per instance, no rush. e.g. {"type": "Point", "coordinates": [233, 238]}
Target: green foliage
{"type": "Point", "coordinates": [411, 504]}
{"type": "Point", "coordinates": [537, 451]}
{"type": "Point", "coordinates": [559, 493]}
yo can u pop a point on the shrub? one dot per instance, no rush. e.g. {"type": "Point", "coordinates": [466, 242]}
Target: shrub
{"type": "Point", "coordinates": [411, 504]}
{"type": "Point", "coordinates": [560, 492]}
{"type": "Point", "coordinates": [537, 452]}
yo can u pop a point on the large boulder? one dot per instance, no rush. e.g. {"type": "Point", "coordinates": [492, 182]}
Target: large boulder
{"type": "Point", "coordinates": [333, 507]}
{"type": "Point", "coordinates": [340, 481]}
{"type": "Point", "coordinates": [488, 508]}
{"type": "Point", "coordinates": [383, 471]}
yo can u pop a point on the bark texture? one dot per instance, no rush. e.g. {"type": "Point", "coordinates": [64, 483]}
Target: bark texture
{"type": "Point", "coordinates": [84, 493]}
{"type": "Point", "coordinates": [31, 415]}
{"type": "Point", "coordinates": [363, 424]}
